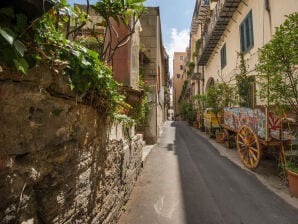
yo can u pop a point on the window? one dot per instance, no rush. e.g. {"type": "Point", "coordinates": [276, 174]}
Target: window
{"type": "Point", "coordinates": [181, 67]}
{"type": "Point", "coordinates": [246, 33]}
{"type": "Point", "coordinates": [223, 56]}
{"type": "Point", "coordinates": [181, 58]}
{"type": "Point", "coordinates": [178, 76]}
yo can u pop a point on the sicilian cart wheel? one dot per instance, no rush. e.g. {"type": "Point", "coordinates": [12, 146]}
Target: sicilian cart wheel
{"type": "Point", "coordinates": [248, 147]}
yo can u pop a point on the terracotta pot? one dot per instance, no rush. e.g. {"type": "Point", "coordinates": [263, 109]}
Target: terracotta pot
{"type": "Point", "coordinates": [219, 137]}
{"type": "Point", "coordinates": [293, 182]}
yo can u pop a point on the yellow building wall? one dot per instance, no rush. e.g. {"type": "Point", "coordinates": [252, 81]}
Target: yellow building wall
{"type": "Point", "coordinates": [264, 25]}
{"type": "Point", "coordinates": [178, 82]}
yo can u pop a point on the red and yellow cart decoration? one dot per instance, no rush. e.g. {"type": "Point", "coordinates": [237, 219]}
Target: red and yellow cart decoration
{"type": "Point", "coordinates": [254, 130]}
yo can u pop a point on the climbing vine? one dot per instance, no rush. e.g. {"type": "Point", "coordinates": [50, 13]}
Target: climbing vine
{"type": "Point", "coordinates": [24, 43]}
{"type": "Point", "coordinates": [243, 83]}
{"type": "Point", "coordinates": [183, 91]}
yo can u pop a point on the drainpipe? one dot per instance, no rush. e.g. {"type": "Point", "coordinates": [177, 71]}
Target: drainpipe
{"type": "Point", "coordinates": [203, 80]}
{"type": "Point", "coordinates": [267, 8]}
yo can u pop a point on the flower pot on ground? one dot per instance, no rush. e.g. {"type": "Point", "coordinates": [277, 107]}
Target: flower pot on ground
{"type": "Point", "coordinates": [219, 137]}
{"type": "Point", "coordinates": [291, 168]}
{"type": "Point", "coordinates": [293, 182]}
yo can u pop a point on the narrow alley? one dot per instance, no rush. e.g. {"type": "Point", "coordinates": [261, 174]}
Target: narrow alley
{"type": "Point", "coordinates": [186, 181]}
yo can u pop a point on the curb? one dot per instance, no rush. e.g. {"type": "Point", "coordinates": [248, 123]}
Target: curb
{"type": "Point", "coordinates": [145, 152]}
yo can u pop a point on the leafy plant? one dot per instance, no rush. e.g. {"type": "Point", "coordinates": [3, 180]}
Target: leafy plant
{"type": "Point", "coordinates": [277, 67]}
{"type": "Point", "coordinates": [124, 13]}
{"type": "Point", "coordinates": [23, 44]}
{"type": "Point", "coordinates": [140, 111]}
{"type": "Point", "coordinates": [88, 75]}
{"type": "Point", "coordinates": [12, 48]}
{"type": "Point", "coordinates": [191, 66]}
{"type": "Point", "coordinates": [218, 96]}
{"type": "Point", "coordinates": [53, 39]}
{"type": "Point", "coordinates": [292, 166]}
{"type": "Point", "coordinates": [183, 91]}
{"type": "Point", "coordinates": [244, 83]}
{"type": "Point", "coordinates": [197, 47]}
{"type": "Point", "coordinates": [200, 103]}
{"type": "Point", "coordinates": [188, 112]}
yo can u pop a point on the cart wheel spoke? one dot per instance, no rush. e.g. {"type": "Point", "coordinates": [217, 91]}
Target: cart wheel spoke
{"type": "Point", "coordinates": [248, 147]}
{"type": "Point", "coordinates": [242, 137]}
{"type": "Point", "coordinates": [252, 162]}
{"type": "Point", "coordinates": [253, 155]}
{"type": "Point", "coordinates": [253, 149]}
{"type": "Point", "coordinates": [250, 144]}
{"type": "Point", "coordinates": [242, 143]}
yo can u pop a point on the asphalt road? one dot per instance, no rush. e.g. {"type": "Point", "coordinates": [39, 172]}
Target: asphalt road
{"type": "Point", "coordinates": [186, 181]}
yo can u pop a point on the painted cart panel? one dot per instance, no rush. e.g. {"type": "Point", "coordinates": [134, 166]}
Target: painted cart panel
{"type": "Point", "coordinates": [210, 120]}
{"type": "Point", "coordinates": [254, 118]}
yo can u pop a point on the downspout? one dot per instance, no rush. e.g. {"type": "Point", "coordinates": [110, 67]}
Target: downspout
{"type": "Point", "coordinates": [203, 80]}
{"type": "Point", "coordinates": [267, 8]}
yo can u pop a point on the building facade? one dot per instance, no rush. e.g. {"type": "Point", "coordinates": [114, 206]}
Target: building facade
{"type": "Point", "coordinates": [155, 72]}
{"type": "Point", "coordinates": [125, 59]}
{"type": "Point", "coordinates": [179, 77]}
{"type": "Point", "coordinates": [230, 28]}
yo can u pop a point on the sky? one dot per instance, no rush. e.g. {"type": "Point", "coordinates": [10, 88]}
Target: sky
{"type": "Point", "coordinates": [175, 18]}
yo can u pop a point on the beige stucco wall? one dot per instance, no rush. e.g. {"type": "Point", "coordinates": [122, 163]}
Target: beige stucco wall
{"type": "Point", "coordinates": [154, 71]}
{"type": "Point", "coordinates": [263, 28]}
{"type": "Point", "coordinates": [134, 57]}
{"type": "Point", "coordinates": [178, 82]}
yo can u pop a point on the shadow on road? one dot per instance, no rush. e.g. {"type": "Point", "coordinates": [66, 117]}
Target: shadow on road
{"type": "Point", "coordinates": [217, 191]}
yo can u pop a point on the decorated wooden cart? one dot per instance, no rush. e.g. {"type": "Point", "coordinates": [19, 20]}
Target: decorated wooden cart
{"type": "Point", "coordinates": [254, 130]}
{"type": "Point", "coordinates": [211, 122]}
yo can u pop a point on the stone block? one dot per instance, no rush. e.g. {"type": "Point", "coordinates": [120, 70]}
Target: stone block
{"type": "Point", "coordinates": [59, 162]}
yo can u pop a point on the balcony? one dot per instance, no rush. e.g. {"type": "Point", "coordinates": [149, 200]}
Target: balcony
{"type": "Point", "coordinates": [196, 76]}
{"type": "Point", "coordinates": [219, 19]}
{"type": "Point", "coordinates": [202, 10]}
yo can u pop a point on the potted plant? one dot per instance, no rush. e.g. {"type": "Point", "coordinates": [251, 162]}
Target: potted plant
{"type": "Point", "coordinates": [218, 96]}
{"type": "Point", "coordinates": [278, 82]}
{"type": "Point", "coordinates": [191, 66]}
{"type": "Point", "coordinates": [291, 166]}
{"type": "Point", "coordinates": [200, 105]}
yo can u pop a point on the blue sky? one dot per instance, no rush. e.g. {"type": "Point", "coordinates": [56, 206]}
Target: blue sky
{"type": "Point", "coordinates": [175, 21]}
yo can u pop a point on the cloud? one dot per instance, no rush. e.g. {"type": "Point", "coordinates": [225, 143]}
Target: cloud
{"type": "Point", "coordinates": [179, 42]}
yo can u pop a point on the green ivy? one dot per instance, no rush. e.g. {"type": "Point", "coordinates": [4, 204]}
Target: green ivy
{"type": "Point", "coordinates": [88, 75]}
{"type": "Point", "coordinates": [23, 44]}
{"type": "Point", "coordinates": [12, 49]}
{"type": "Point", "coordinates": [183, 91]}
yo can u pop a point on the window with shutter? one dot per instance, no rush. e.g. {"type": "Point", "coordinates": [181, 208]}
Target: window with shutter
{"type": "Point", "coordinates": [246, 33]}
{"type": "Point", "coordinates": [223, 56]}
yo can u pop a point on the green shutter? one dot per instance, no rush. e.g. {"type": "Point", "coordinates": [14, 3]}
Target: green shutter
{"type": "Point", "coordinates": [242, 44]}
{"type": "Point", "coordinates": [251, 33]}
{"type": "Point", "coordinates": [246, 33]}
{"type": "Point", "coordinates": [223, 56]}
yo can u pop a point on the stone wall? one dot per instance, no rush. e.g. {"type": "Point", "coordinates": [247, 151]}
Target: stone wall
{"type": "Point", "coordinates": [60, 162]}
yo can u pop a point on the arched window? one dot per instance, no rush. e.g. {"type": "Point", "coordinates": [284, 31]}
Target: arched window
{"type": "Point", "coordinates": [210, 83]}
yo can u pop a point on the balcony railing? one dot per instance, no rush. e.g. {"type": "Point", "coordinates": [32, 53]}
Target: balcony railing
{"type": "Point", "coordinates": [200, 15]}
{"type": "Point", "coordinates": [215, 27]}
{"type": "Point", "coordinates": [196, 76]}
